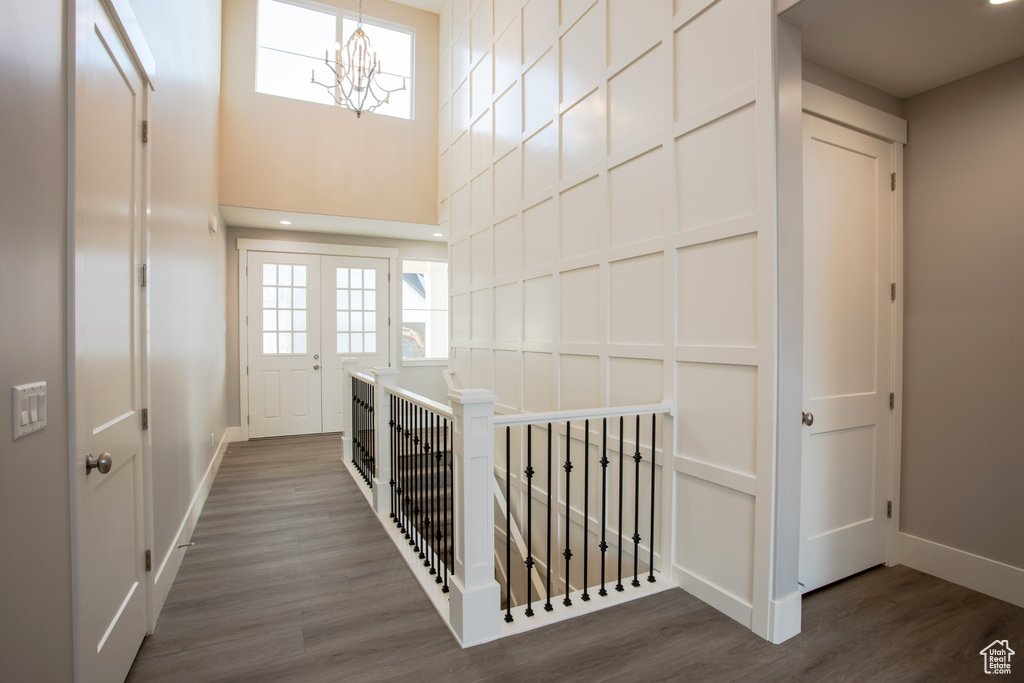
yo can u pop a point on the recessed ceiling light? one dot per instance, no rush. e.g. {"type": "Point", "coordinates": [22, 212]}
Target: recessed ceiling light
{"type": "Point", "coordinates": [286, 222]}
{"type": "Point", "coordinates": [999, 2]}
{"type": "Point", "coordinates": [437, 234]}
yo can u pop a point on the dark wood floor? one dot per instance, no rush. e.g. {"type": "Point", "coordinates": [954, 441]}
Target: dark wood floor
{"type": "Point", "coordinates": [292, 579]}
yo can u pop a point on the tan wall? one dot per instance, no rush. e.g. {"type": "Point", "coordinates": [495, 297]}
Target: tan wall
{"type": "Point", "coordinates": [278, 153]}
{"type": "Point", "coordinates": [426, 381]}
{"type": "Point", "coordinates": [963, 454]}
{"type": "Point", "coordinates": [35, 560]}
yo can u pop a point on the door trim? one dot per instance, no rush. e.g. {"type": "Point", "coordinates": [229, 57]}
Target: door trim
{"type": "Point", "coordinates": [849, 113]}
{"type": "Point", "coordinates": [244, 245]}
{"type": "Point", "coordinates": [130, 32]}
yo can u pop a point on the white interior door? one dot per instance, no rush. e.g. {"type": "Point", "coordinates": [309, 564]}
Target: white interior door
{"type": "Point", "coordinates": [284, 344]}
{"type": "Point", "coordinates": [354, 325]}
{"type": "Point", "coordinates": [848, 271]}
{"type": "Point", "coordinates": [110, 532]}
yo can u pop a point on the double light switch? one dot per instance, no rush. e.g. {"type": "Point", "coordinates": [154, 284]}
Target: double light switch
{"type": "Point", "coordinates": [29, 408]}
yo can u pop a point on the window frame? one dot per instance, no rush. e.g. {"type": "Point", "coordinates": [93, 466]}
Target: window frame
{"type": "Point", "coordinates": [427, 360]}
{"type": "Point", "coordinates": [340, 15]}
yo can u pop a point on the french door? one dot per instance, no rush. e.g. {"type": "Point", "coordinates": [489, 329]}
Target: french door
{"type": "Point", "coordinates": [306, 314]}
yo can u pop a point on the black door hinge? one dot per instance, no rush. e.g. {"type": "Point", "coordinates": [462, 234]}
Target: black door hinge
{"type": "Point", "coordinates": [892, 292]}
{"type": "Point", "coordinates": [143, 275]}
{"type": "Point", "coordinates": [892, 400]}
{"type": "Point", "coordinates": [888, 510]}
{"type": "Point", "coordinates": [894, 181]}
{"type": "Point", "coordinates": [145, 418]}
{"type": "Point", "coordinates": [145, 131]}
{"type": "Point", "coordinates": [149, 560]}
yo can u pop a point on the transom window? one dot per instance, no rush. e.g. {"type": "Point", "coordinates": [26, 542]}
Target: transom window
{"type": "Point", "coordinates": [357, 310]}
{"type": "Point", "coordinates": [293, 40]}
{"type": "Point", "coordinates": [284, 309]}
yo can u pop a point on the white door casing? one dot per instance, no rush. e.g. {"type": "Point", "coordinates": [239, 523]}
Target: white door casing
{"type": "Point", "coordinates": [354, 325]}
{"type": "Point", "coordinates": [848, 351]}
{"type": "Point", "coordinates": [109, 506]}
{"type": "Point", "coordinates": [284, 344]}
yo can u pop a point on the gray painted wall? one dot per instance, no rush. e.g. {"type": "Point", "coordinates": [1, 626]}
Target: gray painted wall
{"type": "Point", "coordinates": [963, 450]}
{"type": "Point", "coordinates": [35, 560]}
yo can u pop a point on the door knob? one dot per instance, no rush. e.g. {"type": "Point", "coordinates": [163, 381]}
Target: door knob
{"type": "Point", "coordinates": [316, 367]}
{"type": "Point", "coordinates": [102, 464]}
{"type": "Point", "coordinates": [808, 419]}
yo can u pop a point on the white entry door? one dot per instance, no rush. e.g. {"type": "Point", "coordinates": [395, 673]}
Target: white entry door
{"type": "Point", "coordinates": [284, 344]}
{"type": "Point", "coordinates": [848, 328]}
{"type": "Point", "coordinates": [306, 314]}
{"type": "Point", "coordinates": [355, 325]}
{"type": "Point", "coordinates": [109, 510]}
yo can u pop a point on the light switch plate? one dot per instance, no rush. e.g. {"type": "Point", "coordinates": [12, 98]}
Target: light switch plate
{"type": "Point", "coordinates": [29, 402]}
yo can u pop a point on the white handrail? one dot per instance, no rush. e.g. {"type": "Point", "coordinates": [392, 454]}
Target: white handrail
{"type": "Point", "coordinates": [521, 419]}
{"type": "Point", "coordinates": [369, 379]}
{"type": "Point", "coordinates": [421, 401]}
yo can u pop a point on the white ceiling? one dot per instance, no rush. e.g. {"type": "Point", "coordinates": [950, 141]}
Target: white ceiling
{"type": "Point", "coordinates": [242, 217]}
{"type": "Point", "coordinates": [434, 6]}
{"type": "Point", "coordinates": [905, 47]}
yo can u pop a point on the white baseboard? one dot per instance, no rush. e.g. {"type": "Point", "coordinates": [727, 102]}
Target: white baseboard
{"type": "Point", "coordinates": [722, 600]}
{"type": "Point", "coordinates": [784, 618]}
{"type": "Point", "coordinates": [168, 566]}
{"type": "Point", "coordinates": [990, 577]}
{"type": "Point", "coordinates": [232, 434]}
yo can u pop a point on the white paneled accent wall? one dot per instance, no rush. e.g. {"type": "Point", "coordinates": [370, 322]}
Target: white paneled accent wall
{"type": "Point", "coordinates": [608, 170]}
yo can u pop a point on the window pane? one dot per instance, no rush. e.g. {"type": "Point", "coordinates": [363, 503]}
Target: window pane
{"type": "Point", "coordinates": [424, 309]}
{"type": "Point", "coordinates": [369, 278]}
{"type": "Point", "coordinates": [357, 322]}
{"type": "Point", "coordinates": [370, 322]}
{"type": "Point", "coordinates": [284, 342]}
{"type": "Point", "coordinates": [284, 275]}
{"type": "Point", "coordinates": [357, 343]}
{"type": "Point", "coordinates": [270, 297]}
{"type": "Point", "coordinates": [269, 320]}
{"type": "Point", "coordinates": [295, 29]}
{"type": "Point", "coordinates": [343, 321]}
{"type": "Point", "coordinates": [300, 342]}
{"type": "Point", "coordinates": [269, 274]}
{"type": "Point", "coordinates": [269, 342]}
{"type": "Point", "coordinates": [299, 297]}
{"type": "Point", "coordinates": [284, 297]}
{"type": "Point", "coordinates": [342, 278]}
{"type": "Point", "coordinates": [342, 342]}
{"type": "Point", "coordinates": [288, 75]}
{"type": "Point", "coordinates": [371, 343]}
{"type": "Point", "coordinates": [357, 300]}
{"type": "Point", "coordinates": [284, 320]}
{"type": "Point", "coordinates": [300, 276]}
{"type": "Point", "coordinates": [342, 299]}
{"type": "Point", "coordinates": [299, 320]}
{"type": "Point", "coordinates": [357, 278]}
{"type": "Point", "coordinates": [370, 300]}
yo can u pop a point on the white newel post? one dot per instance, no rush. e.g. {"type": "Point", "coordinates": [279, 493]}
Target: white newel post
{"type": "Point", "coordinates": [475, 598]}
{"type": "Point", "coordinates": [348, 366]}
{"type": "Point", "coordinates": [383, 379]}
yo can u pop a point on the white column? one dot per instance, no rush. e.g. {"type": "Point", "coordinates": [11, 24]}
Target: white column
{"type": "Point", "coordinates": [348, 366]}
{"type": "Point", "coordinates": [475, 599]}
{"type": "Point", "coordinates": [384, 378]}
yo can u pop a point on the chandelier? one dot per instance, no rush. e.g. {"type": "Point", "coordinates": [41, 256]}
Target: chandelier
{"type": "Point", "coordinates": [356, 71]}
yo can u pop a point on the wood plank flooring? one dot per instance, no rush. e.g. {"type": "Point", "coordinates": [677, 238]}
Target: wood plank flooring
{"type": "Point", "coordinates": [292, 579]}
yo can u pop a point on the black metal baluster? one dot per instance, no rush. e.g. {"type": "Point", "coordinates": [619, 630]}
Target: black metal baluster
{"type": "Point", "coordinates": [428, 478]}
{"type": "Point", "coordinates": [604, 502]}
{"type": "Point", "coordinates": [654, 448]}
{"type": "Point", "coordinates": [622, 440]}
{"type": "Point", "coordinates": [636, 512]}
{"type": "Point", "coordinates": [449, 557]}
{"type": "Point", "coordinates": [547, 605]}
{"type": "Point", "coordinates": [419, 482]}
{"type": "Point", "coordinates": [406, 449]}
{"type": "Point", "coordinates": [529, 520]}
{"type": "Point", "coordinates": [567, 553]}
{"type": "Point", "coordinates": [508, 525]}
{"type": "Point", "coordinates": [373, 434]}
{"type": "Point", "coordinates": [442, 515]}
{"type": "Point", "coordinates": [586, 506]}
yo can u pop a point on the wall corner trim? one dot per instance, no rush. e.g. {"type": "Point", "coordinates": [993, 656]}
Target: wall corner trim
{"type": "Point", "coordinates": [981, 574]}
